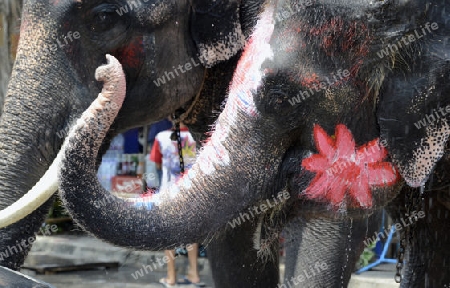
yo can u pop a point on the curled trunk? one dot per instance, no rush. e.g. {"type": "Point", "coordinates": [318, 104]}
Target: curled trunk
{"type": "Point", "coordinates": [216, 187]}
{"type": "Point", "coordinates": [225, 179]}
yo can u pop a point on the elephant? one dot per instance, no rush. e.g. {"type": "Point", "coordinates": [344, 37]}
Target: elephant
{"type": "Point", "coordinates": [315, 92]}
{"type": "Point", "coordinates": [54, 36]}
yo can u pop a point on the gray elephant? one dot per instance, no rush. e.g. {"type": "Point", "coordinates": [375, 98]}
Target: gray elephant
{"type": "Point", "coordinates": [301, 117]}
{"type": "Point", "coordinates": [147, 54]}
{"type": "Point", "coordinates": [149, 40]}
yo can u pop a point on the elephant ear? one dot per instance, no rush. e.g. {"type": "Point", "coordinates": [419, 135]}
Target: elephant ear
{"type": "Point", "coordinates": [216, 30]}
{"type": "Point", "coordinates": [414, 118]}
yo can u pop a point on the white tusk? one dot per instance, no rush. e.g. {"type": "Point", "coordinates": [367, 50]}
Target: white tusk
{"type": "Point", "coordinates": [38, 195]}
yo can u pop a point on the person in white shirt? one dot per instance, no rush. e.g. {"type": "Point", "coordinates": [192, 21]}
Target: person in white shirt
{"type": "Point", "coordinates": [165, 154]}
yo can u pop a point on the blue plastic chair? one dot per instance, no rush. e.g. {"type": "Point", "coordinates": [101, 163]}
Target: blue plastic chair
{"type": "Point", "coordinates": [382, 257]}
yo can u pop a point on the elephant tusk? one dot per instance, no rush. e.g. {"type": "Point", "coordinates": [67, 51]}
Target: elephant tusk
{"type": "Point", "coordinates": [38, 195]}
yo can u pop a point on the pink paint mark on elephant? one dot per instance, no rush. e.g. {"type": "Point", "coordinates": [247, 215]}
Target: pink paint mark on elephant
{"type": "Point", "coordinates": [25, 23]}
{"type": "Point", "coordinates": [131, 55]}
{"type": "Point", "coordinates": [342, 169]}
{"type": "Point", "coordinates": [249, 74]}
{"type": "Point", "coordinates": [245, 82]}
{"type": "Point", "coordinates": [355, 34]}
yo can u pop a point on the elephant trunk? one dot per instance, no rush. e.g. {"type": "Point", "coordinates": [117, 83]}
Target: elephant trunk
{"type": "Point", "coordinates": [28, 142]}
{"type": "Point", "coordinates": [21, 165]}
{"type": "Point", "coordinates": [231, 173]}
{"type": "Point", "coordinates": [315, 266]}
{"type": "Point", "coordinates": [217, 186]}
{"type": "Point", "coordinates": [39, 106]}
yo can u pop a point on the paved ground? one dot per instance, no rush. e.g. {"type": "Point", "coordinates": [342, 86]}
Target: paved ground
{"type": "Point", "coordinates": [71, 249]}
{"type": "Point", "coordinates": [140, 269]}
{"type": "Point", "coordinates": [379, 277]}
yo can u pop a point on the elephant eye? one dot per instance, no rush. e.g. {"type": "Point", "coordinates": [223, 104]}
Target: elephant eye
{"type": "Point", "coordinates": [104, 18]}
{"type": "Point", "coordinates": [103, 21]}
{"type": "Point", "coordinates": [105, 28]}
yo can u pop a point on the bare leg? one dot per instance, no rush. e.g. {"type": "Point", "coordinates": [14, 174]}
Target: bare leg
{"type": "Point", "coordinates": [193, 268]}
{"type": "Point", "coordinates": [171, 272]}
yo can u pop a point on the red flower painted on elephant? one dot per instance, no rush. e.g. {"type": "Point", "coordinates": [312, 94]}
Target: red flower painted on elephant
{"type": "Point", "coordinates": [341, 168]}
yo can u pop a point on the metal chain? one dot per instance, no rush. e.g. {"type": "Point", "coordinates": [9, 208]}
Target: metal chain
{"type": "Point", "coordinates": [180, 149]}
{"type": "Point", "coordinates": [176, 121]}
{"type": "Point", "coordinates": [412, 203]}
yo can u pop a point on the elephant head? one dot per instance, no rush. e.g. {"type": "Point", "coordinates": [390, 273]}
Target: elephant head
{"type": "Point", "coordinates": [414, 110]}
{"type": "Point", "coordinates": [168, 60]}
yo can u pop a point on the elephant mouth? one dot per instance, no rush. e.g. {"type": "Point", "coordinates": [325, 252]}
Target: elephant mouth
{"type": "Point", "coordinates": [185, 113]}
